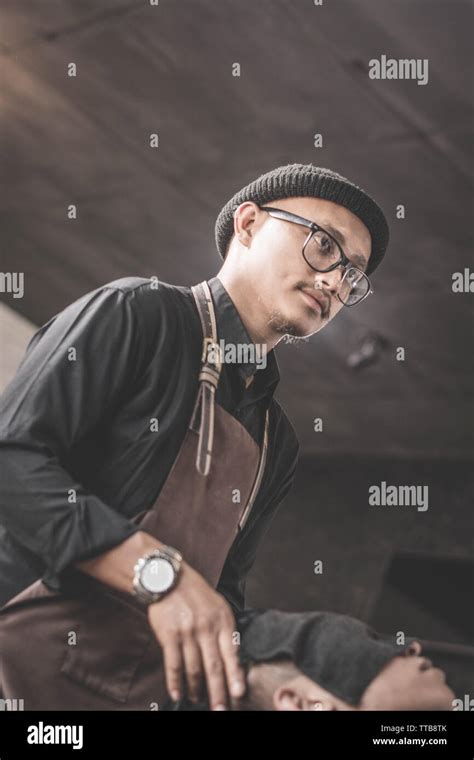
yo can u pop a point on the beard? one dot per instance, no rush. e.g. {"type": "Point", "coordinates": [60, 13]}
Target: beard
{"type": "Point", "coordinates": [280, 324]}
{"type": "Point", "coordinates": [288, 330]}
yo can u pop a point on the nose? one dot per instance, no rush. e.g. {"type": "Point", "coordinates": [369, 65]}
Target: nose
{"type": "Point", "coordinates": [329, 281]}
{"type": "Point", "coordinates": [425, 664]}
{"type": "Point", "coordinates": [415, 649]}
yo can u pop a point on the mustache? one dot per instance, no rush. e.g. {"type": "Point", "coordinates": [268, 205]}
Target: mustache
{"type": "Point", "coordinates": [325, 297]}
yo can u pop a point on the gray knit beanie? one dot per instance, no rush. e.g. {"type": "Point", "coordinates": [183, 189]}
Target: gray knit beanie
{"type": "Point", "coordinates": [298, 180]}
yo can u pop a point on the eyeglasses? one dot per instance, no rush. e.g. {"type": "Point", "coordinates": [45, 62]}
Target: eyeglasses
{"type": "Point", "coordinates": [323, 253]}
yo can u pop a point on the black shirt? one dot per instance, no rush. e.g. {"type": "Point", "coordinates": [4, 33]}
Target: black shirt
{"type": "Point", "coordinates": [77, 456]}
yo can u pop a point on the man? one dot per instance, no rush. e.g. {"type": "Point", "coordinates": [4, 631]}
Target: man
{"type": "Point", "coordinates": [325, 661]}
{"type": "Point", "coordinates": [93, 423]}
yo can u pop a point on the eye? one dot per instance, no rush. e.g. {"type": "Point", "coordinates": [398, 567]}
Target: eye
{"type": "Point", "coordinates": [325, 244]}
{"type": "Point", "coordinates": [353, 276]}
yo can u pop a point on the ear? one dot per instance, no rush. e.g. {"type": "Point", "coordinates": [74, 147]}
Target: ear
{"type": "Point", "coordinates": [287, 698]}
{"type": "Point", "coordinates": [244, 218]}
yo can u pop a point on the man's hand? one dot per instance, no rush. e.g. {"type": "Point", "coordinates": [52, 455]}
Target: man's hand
{"type": "Point", "coordinates": [194, 625]}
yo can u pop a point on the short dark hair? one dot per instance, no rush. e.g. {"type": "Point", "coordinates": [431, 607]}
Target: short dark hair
{"type": "Point", "coordinates": [263, 678]}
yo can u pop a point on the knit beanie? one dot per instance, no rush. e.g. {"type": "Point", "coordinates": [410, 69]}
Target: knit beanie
{"type": "Point", "coordinates": [297, 180]}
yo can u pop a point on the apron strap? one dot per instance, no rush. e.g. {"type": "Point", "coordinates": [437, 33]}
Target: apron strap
{"type": "Point", "coordinates": [259, 475]}
{"type": "Point", "coordinates": [209, 374]}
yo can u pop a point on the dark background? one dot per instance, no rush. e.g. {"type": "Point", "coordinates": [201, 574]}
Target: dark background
{"type": "Point", "coordinates": [304, 70]}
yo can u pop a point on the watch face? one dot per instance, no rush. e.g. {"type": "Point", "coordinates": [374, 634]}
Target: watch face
{"type": "Point", "coordinates": [157, 575]}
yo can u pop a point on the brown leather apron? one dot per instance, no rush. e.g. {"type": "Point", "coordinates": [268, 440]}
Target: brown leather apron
{"type": "Point", "coordinates": [92, 647]}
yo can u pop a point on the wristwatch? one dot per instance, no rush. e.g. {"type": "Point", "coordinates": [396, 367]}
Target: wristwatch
{"type": "Point", "coordinates": [156, 573]}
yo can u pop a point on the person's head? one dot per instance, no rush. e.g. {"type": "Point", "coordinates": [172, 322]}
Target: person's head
{"type": "Point", "coordinates": [323, 661]}
{"type": "Point", "coordinates": [272, 257]}
{"type": "Point", "coordinates": [407, 682]}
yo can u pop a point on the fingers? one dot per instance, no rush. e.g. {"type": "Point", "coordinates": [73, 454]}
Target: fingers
{"type": "Point", "coordinates": [234, 672]}
{"type": "Point", "coordinates": [193, 666]}
{"type": "Point", "coordinates": [196, 636]}
{"type": "Point", "coordinates": [224, 674]}
{"type": "Point", "coordinates": [215, 672]}
{"type": "Point", "coordinates": [173, 661]}
{"type": "Point", "coordinates": [188, 657]}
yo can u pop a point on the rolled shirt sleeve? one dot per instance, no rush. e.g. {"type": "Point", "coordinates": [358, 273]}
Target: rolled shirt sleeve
{"type": "Point", "coordinates": [74, 373]}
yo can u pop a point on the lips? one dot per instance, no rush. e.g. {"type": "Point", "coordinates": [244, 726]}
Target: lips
{"type": "Point", "coordinates": [318, 300]}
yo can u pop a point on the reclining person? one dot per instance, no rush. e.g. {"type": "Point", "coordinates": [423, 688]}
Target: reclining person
{"type": "Point", "coordinates": [326, 661]}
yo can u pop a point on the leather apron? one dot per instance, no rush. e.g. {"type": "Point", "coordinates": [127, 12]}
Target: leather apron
{"type": "Point", "coordinates": [91, 647]}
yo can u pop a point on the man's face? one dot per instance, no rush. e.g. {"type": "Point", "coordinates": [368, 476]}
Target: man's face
{"type": "Point", "coordinates": [272, 250]}
{"type": "Point", "coordinates": [406, 683]}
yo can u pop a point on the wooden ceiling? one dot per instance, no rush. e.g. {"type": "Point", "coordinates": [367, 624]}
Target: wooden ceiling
{"type": "Point", "coordinates": [167, 69]}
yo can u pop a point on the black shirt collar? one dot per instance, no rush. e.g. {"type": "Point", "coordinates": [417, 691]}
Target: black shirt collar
{"type": "Point", "coordinates": [231, 329]}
